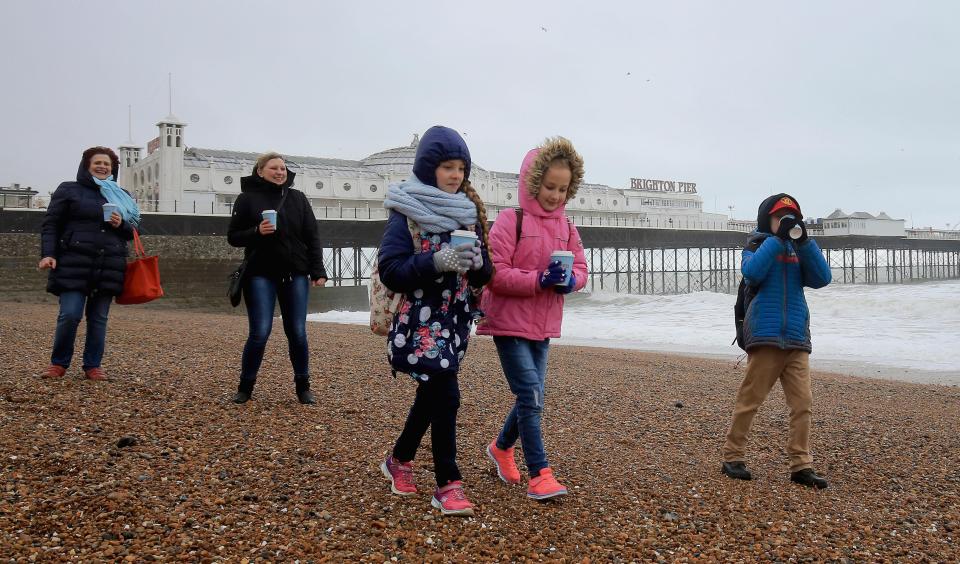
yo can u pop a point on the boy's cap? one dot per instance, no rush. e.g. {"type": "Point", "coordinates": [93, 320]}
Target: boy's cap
{"type": "Point", "coordinates": [773, 204]}
{"type": "Point", "coordinates": [785, 202]}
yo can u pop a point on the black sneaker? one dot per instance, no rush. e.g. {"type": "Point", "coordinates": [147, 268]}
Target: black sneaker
{"type": "Point", "coordinates": [737, 470]}
{"type": "Point", "coordinates": [807, 477]}
{"type": "Point", "coordinates": [306, 397]}
{"type": "Point", "coordinates": [241, 397]}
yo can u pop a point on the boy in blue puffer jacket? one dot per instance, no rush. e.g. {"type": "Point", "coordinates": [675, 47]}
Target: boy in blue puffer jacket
{"type": "Point", "coordinates": [778, 261]}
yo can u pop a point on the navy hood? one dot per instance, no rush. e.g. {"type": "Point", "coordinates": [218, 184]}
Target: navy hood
{"type": "Point", "coordinates": [763, 213]}
{"type": "Point", "coordinates": [439, 144]}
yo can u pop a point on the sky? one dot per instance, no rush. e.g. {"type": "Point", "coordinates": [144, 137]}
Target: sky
{"type": "Point", "coordinates": [852, 105]}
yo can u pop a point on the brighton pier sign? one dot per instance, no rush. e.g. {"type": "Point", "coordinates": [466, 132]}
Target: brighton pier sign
{"type": "Point", "coordinates": [662, 185]}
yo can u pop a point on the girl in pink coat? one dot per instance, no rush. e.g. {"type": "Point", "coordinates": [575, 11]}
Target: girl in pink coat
{"type": "Point", "coordinates": [524, 302]}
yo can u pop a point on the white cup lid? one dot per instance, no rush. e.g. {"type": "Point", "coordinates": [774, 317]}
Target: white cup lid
{"type": "Point", "coordinates": [562, 253]}
{"type": "Point", "coordinates": [463, 233]}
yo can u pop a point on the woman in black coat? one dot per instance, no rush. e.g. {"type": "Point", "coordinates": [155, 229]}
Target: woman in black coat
{"type": "Point", "coordinates": [87, 259]}
{"type": "Point", "coordinates": [284, 259]}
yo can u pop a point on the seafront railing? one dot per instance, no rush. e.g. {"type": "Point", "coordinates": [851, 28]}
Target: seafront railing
{"type": "Point", "coordinates": [619, 259]}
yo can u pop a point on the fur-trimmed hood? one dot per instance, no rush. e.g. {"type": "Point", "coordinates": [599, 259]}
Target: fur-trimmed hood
{"type": "Point", "coordinates": [551, 150]}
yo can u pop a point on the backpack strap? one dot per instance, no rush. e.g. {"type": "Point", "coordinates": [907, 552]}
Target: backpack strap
{"type": "Point", "coordinates": [519, 212]}
{"type": "Point", "coordinates": [415, 235]}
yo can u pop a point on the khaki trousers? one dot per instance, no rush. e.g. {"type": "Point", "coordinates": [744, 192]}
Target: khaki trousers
{"type": "Point", "coordinates": [766, 365]}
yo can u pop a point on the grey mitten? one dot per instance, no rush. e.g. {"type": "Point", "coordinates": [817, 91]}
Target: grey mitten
{"type": "Point", "coordinates": [454, 259]}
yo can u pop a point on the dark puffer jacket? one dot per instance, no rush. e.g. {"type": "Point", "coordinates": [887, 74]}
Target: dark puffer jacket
{"type": "Point", "coordinates": [294, 248]}
{"type": "Point", "coordinates": [91, 254]}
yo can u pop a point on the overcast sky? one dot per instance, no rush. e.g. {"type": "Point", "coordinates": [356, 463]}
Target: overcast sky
{"type": "Point", "coordinates": [853, 105]}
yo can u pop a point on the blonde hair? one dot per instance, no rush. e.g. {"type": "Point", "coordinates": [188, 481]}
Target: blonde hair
{"type": "Point", "coordinates": [263, 159]}
{"type": "Point", "coordinates": [471, 193]}
{"type": "Point", "coordinates": [555, 151]}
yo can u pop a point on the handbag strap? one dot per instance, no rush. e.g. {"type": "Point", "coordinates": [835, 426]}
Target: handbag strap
{"type": "Point", "coordinates": [138, 245]}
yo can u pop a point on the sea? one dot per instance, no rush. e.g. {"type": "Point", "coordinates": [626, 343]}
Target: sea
{"type": "Point", "coordinates": [906, 332]}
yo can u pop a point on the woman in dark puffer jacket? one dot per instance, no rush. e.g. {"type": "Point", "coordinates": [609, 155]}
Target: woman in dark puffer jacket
{"type": "Point", "coordinates": [285, 259]}
{"type": "Point", "coordinates": [87, 259]}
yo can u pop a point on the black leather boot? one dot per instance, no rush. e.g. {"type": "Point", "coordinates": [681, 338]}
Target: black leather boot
{"type": "Point", "coordinates": [304, 395]}
{"type": "Point", "coordinates": [737, 470]}
{"type": "Point", "coordinates": [244, 391]}
{"type": "Point", "coordinates": [807, 477]}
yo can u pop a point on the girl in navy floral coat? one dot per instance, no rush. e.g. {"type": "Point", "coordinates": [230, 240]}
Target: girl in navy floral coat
{"type": "Point", "coordinates": [429, 334]}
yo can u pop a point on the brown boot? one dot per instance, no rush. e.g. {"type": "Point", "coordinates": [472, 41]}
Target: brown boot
{"type": "Point", "coordinates": [53, 371]}
{"type": "Point", "coordinates": [95, 374]}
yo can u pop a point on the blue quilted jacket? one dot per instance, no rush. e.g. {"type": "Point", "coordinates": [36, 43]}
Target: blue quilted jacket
{"type": "Point", "coordinates": [778, 315]}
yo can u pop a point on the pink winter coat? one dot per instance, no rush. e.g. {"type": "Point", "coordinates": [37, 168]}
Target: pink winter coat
{"type": "Point", "coordinates": [513, 302]}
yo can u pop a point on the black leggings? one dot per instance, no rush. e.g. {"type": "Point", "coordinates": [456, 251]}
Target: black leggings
{"type": "Point", "coordinates": [435, 406]}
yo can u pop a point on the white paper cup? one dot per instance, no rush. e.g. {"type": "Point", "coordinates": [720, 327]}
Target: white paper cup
{"type": "Point", "coordinates": [461, 236]}
{"type": "Point", "coordinates": [566, 259]}
{"type": "Point", "coordinates": [271, 216]}
{"type": "Point", "coordinates": [108, 210]}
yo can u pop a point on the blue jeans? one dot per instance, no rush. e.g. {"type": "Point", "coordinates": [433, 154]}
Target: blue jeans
{"type": "Point", "coordinates": [71, 312]}
{"type": "Point", "coordinates": [260, 294]}
{"type": "Point", "coordinates": [524, 364]}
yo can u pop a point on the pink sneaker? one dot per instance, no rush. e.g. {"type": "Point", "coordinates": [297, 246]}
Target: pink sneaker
{"type": "Point", "coordinates": [506, 466]}
{"type": "Point", "coordinates": [451, 500]}
{"type": "Point", "coordinates": [545, 486]}
{"type": "Point", "coordinates": [400, 475]}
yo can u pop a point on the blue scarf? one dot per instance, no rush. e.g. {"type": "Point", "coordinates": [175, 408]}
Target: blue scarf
{"type": "Point", "coordinates": [116, 195]}
{"type": "Point", "coordinates": [434, 210]}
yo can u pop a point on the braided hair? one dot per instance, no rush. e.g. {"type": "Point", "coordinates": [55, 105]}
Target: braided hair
{"type": "Point", "coordinates": [471, 193]}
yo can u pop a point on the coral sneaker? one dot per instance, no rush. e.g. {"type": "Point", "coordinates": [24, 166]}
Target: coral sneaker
{"type": "Point", "coordinates": [95, 374]}
{"type": "Point", "coordinates": [53, 371]}
{"type": "Point", "coordinates": [503, 459]}
{"type": "Point", "coordinates": [545, 486]}
{"type": "Point", "coordinates": [451, 500]}
{"type": "Point", "coordinates": [400, 475]}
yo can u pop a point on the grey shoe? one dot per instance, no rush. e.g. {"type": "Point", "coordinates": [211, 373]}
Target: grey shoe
{"type": "Point", "coordinates": [241, 397]}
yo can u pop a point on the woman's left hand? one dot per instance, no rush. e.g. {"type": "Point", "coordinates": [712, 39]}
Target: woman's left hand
{"type": "Point", "coordinates": [319, 282]}
{"type": "Point", "coordinates": [115, 219]}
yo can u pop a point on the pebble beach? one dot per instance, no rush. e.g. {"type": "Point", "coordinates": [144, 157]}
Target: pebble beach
{"type": "Point", "coordinates": [157, 464]}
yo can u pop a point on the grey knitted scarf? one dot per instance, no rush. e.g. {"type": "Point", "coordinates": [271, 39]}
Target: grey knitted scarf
{"type": "Point", "coordinates": [434, 210]}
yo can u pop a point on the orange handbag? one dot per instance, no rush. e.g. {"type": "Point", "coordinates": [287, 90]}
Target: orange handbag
{"type": "Point", "coordinates": [141, 283]}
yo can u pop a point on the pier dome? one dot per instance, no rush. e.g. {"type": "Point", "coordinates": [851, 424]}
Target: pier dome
{"type": "Point", "coordinates": [393, 160]}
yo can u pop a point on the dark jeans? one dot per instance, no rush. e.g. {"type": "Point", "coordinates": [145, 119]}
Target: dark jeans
{"type": "Point", "coordinates": [260, 294]}
{"type": "Point", "coordinates": [71, 312]}
{"type": "Point", "coordinates": [436, 407]}
{"type": "Point", "coordinates": [524, 364]}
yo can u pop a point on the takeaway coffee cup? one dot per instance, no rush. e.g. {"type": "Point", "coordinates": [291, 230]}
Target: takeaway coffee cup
{"type": "Point", "coordinates": [566, 259]}
{"type": "Point", "coordinates": [108, 210]}
{"type": "Point", "coordinates": [461, 236]}
{"type": "Point", "coordinates": [795, 232]}
{"type": "Point", "coordinates": [271, 216]}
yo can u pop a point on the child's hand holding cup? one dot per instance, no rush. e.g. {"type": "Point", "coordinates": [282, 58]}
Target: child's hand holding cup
{"type": "Point", "coordinates": [462, 236]}
{"type": "Point", "coordinates": [565, 258]}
